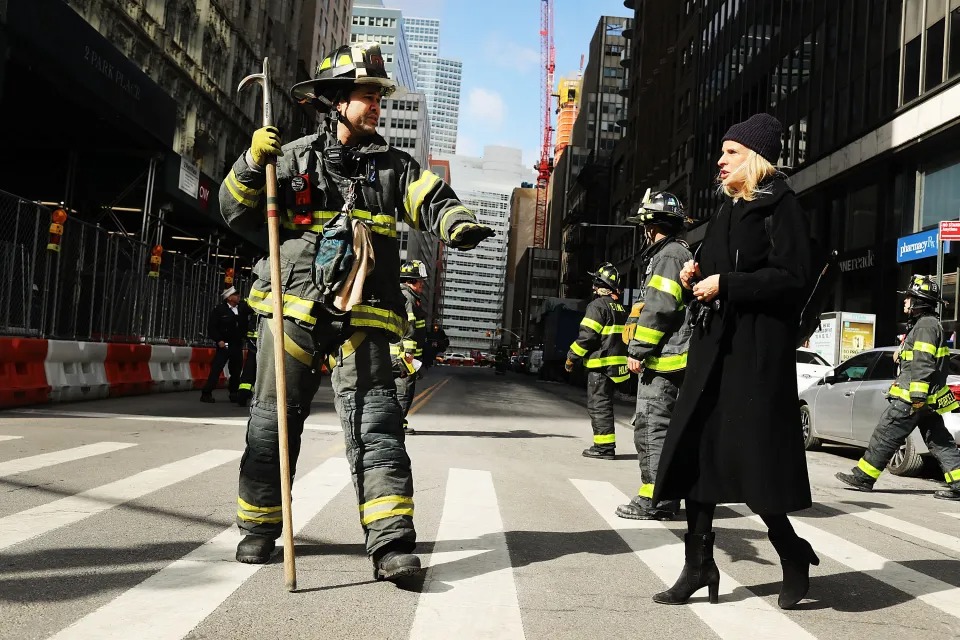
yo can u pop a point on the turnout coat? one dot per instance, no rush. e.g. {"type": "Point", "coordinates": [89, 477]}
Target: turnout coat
{"type": "Point", "coordinates": [735, 435]}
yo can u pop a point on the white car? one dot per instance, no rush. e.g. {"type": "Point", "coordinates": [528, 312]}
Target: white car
{"type": "Point", "coordinates": [810, 368]}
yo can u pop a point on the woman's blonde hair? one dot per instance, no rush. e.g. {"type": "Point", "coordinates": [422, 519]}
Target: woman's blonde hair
{"type": "Point", "coordinates": [756, 170]}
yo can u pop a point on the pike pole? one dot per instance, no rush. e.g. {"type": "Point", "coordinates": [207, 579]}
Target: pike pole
{"type": "Point", "coordinates": [273, 229]}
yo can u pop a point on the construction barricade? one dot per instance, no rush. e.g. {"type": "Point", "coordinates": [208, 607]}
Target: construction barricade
{"type": "Point", "coordinates": [23, 380]}
{"type": "Point", "coordinates": [128, 369]}
{"type": "Point", "coordinates": [170, 368]}
{"type": "Point", "coordinates": [200, 363]}
{"type": "Point", "coordinates": [76, 371]}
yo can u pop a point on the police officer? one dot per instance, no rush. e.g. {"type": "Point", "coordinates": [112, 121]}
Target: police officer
{"type": "Point", "coordinates": [345, 168]}
{"type": "Point", "coordinates": [603, 353]}
{"type": "Point", "coordinates": [226, 326]}
{"type": "Point", "coordinates": [413, 277]}
{"type": "Point", "coordinates": [918, 397]}
{"type": "Point", "coordinates": [658, 337]}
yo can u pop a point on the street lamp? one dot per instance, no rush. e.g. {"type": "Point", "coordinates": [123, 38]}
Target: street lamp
{"type": "Point", "coordinates": [633, 247]}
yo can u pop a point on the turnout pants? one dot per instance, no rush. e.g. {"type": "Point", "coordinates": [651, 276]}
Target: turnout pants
{"type": "Point", "coordinates": [249, 374]}
{"type": "Point", "coordinates": [895, 425]}
{"type": "Point", "coordinates": [233, 358]}
{"type": "Point", "coordinates": [366, 402]}
{"type": "Point", "coordinates": [600, 409]}
{"type": "Point", "coordinates": [406, 390]}
{"type": "Point", "coordinates": [656, 397]}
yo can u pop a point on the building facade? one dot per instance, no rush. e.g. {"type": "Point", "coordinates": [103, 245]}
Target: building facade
{"type": "Point", "coordinates": [372, 22]}
{"type": "Point", "coordinates": [439, 78]}
{"type": "Point", "coordinates": [474, 281]}
{"type": "Point", "coordinates": [324, 26]}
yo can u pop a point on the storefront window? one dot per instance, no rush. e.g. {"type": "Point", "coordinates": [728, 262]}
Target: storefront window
{"type": "Point", "coordinates": [940, 196]}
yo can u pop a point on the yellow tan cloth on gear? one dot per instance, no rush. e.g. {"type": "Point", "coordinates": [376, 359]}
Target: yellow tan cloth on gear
{"type": "Point", "coordinates": [351, 292]}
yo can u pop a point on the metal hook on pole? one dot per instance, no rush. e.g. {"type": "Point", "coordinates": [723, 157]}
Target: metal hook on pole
{"type": "Point", "coordinates": [276, 287]}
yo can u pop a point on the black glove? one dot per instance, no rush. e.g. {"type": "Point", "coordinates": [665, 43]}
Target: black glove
{"type": "Point", "coordinates": [467, 235]}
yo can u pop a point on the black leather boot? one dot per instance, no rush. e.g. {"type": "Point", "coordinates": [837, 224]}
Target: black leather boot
{"type": "Point", "coordinates": [255, 549]}
{"type": "Point", "coordinates": [600, 453]}
{"type": "Point", "coordinates": [796, 556]}
{"type": "Point", "coordinates": [699, 570]}
{"type": "Point", "coordinates": [396, 566]}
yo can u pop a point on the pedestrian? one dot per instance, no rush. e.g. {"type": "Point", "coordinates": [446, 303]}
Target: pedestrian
{"type": "Point", "coordinates": [918, 397]}
{"type": "Point", "coordinates": [343, 186]}
{"type": "Point", "coordinates": [735, 434]}
{"type": "Point", "coordinates": [658, 337]}
{"type": "Point", "coordinates": [406, 352]}
{"type": "Point", "coordinates": [601, 349]}
{"type": "Point", "coordinates": [227, 327]}
{"type": "Point", "coordinates": [437, 343]}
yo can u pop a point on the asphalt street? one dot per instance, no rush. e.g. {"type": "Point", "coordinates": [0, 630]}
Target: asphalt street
{"type": "Point", "coordinates": [117, 522]}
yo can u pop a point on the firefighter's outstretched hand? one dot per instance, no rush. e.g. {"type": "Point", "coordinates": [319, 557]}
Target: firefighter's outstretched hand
{"type": "Point", "coordinates": [568, 365]}
{"type": "Point", "coordinates": [634, 365]}
{"type": "Point", "coordinates": [266, 142]}
{"type": "Point", "coordinates": [467, 235]}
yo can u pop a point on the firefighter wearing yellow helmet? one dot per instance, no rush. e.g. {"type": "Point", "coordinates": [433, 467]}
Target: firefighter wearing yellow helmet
{"type": "Point", "coordinates": [409, 351]}
{"type": "Point", "coordinates": [341, 183]}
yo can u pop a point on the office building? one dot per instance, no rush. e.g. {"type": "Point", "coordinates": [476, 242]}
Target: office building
{"type": "Point", "coordinates": [372, 22]}
{"type": "Point", "coordinates": [439, 78]}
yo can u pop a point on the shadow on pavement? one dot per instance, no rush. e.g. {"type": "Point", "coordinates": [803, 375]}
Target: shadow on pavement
{"type": "Point", "coordinates": [516, 433]}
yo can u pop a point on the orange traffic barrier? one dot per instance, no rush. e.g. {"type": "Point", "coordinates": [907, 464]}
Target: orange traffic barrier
{"type": "Point", "coordinates": [128, 369]}
{"type": "Point", "coordinates": [23, 379]}
{"type": "Point", "coordinates": [200, 363]}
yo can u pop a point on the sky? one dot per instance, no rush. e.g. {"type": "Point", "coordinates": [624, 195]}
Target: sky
{"type": "Point", "coordinates": [498, 42]}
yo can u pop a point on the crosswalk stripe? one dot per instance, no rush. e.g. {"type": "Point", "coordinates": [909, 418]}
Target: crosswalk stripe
{"type": "Point", "coordinates": [907, 528]}
{"type": "Point", "coordinates": [661, 550]}
{"type": "Point", "coordinates": [469, 594]}
{"type": "Point", "coordinates": [234, 422]}
{"type": "Point", "coordinates": [4, 438]}
{"type": "Point", "coordinates": [948, 513]}
{"type": "Point", "coordinates": [32, 463]}
{"type": "Point", "coordinates": [934, 592]}
{"type": "Point", "coordinates": [171, 602]}
{"type": "Point", "coordinates": [31, 523]}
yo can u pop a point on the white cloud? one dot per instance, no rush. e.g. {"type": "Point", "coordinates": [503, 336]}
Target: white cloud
{"type": "Point", "coordinates": [467, 145]}
{"type": "Point", "coordinates": [511, 55]}
{"type": "Point", "coordinates": [485, 108]}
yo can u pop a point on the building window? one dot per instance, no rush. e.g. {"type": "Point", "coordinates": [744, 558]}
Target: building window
{"type": "Point", "coordinates": [940, 195]}
{"type": "Point", "coordinates": [953, 67]}
{"type": "Point", "coordinates": [934, 54]}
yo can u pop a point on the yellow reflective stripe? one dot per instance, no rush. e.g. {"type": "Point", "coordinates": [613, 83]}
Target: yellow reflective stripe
{"type": "Point", "coordinates": [902, 394]}
{"type": "Point", "coordinates": [667, 364]}
{"type": "Point", "coordinates": [613, 329]}
{"type": "Point", "coordinates": [420, 324]}
{"type": "Point", "coordinates": [293, 306]}
{"type": "Point", "coordinates": [593, 324]}
{"type": "Point", "coordinates": [395, 349]}
{"type": "Point", "coordinates": [926, 347]}
{"type": "Point", "coordinates": [667, 286]}
{"type": "Point", "coordinates": [252, 513]}
{"type": "Point", "coordinates": [385, 507]}
{"type": "Point", "coordinates": [380, 515]}
{"type": "Point", "coordinates": [906, 355]}
{"type": "Point", "coordinates": [943, 401]}
{"type": "Point", "coordinates": [295, 351]}
{"type": "Point", "coordinates": [411, 317]}
{"type": "Point", "coordinates": [380, 223]}
{"type": "Point", "coordinates": [646, 491]}
{"type": "Point", "coordinates": [952, 476]}
{"type": "Point", "coordinates": [577, 349]}
{"type": "Point", "coordinates": [619, 379]}
{"type": "Point", "coordinates": [245, 386]}
{"type": "Point", "coordinates": [410, 344]}
{"type": "Point", "coordinates": [246, 506]}
{"type": "Point", "coordinates": [920, 387]}
{"type": "Point", "coordinates": [869, 469]}
{"type": "Point", "coordinates": [244, 195]}
{"type": "Point", "coordinates": [366, 316]}
{"type": "Point", "coordinates": [417, 193]}
{"type": "Point", "coordinates": [443, 220]}
{"type": "Point", "coordinates": [609, 438]}
{"type": "Point", "coordinates": [648, 335]}
{"type": "Point", "coordinates": [350, 346]}
{"type": "Point", "coordinates": [607, 361]}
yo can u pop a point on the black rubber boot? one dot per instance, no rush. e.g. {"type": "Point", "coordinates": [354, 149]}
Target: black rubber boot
{"type": "Point", "coordinates": [796, 556]}
{"type": "Point", "coordinates": [234, 398]}
{"type": "Point", "coordinates": [395, 566]}
{"type": "Point", "coordinates": [642, 509]}
{"type": "Point", "coordinates": [255, 549]}
{"type": "Point", "coordinates": [600, 453]}
{"type": "Point", "coordinates": [952, 493]}
{"type": "Point", "coordinates": [699, 570]}
{"type": "Point", "coordinates": [206, 397]}
{"type": "Point", "coordinates": [855, 481]}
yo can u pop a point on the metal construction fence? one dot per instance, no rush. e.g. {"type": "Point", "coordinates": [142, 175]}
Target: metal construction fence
{"type": "Point", "coordinates": [98, 285]}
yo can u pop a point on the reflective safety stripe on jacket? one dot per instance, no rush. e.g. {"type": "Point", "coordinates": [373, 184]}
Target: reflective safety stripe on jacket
{"type": "Point", "coordinates": [924, 367]}
{"type": "Point", "coordinates": [361, 315]}
{"type": "Point", "coordinates": [599, 344]}
{"type": "Point", "coordinates": [382, 223]}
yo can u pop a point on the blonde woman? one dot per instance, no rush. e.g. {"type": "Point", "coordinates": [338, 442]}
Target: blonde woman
{"type": "Point", "coordinates": [735, 434]}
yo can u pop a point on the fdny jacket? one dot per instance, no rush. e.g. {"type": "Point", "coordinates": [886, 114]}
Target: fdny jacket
{"type": "Point", "coordinates": [657, 331]}
{"type": "Point", "coordinates": [599, 343]}
{"type": "Point", "coordinates": [393, 187]}
{"type": "Point", "coordinates": [924, 365]}
{"type": "Point", "coordinates": [416, 333]}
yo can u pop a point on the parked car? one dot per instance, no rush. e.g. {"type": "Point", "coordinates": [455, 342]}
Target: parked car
{"type": "Point", "coordinates": [455, 359]}
{"type": "Point", "coordinates": [845, 405]}
{"type": "Point", "coordinates": [810, 367]}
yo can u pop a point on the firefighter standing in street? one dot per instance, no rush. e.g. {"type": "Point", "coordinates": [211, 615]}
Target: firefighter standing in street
{"type": "Point", "coordinates": [249, 374]}
{"type": "Point", "coordinates": [227, 327]}
{"type": "Point", "coordinates": [918, 397]}
{"type": "Point", "coordinates": [601, 348]}
{"type": "Point", "coordinates": [658, 337]}
{"type": "Point", "coordinates": [413, 278]}
{"type": "Point", "coordinates": [343, 179]}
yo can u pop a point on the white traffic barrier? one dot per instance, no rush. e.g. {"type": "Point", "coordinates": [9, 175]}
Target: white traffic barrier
{"type": "Point", "coordinates": [170, 368]}
{"type": "Point", "coordinates": [75, 370]}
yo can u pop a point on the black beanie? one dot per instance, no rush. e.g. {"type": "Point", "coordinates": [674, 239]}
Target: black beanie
{"type": "Point", "coordinates": [760, 132]}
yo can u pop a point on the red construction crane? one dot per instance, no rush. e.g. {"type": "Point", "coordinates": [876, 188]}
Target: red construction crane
{"type": "Point", "coordinates": [545, 165]}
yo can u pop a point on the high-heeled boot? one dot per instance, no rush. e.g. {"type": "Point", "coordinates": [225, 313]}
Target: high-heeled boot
{"type": "Point", "coordinates": [699, 570]}
{"type": "Point", "coordinates": [796, 556]}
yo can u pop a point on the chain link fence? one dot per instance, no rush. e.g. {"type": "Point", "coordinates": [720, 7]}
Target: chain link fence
{"type": "Point", "coordinates": [98, 286]}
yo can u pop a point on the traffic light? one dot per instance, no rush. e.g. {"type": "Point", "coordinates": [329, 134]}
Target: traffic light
{"type": "Point", "coordinates": [155, 258]}
{"type": "Point", "coordinates": [57, 219]}
{"type": "Point", "coordinates": [228, 277]}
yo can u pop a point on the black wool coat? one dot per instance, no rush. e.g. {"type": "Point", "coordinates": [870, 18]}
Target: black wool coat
{"type": "Point", "coordinates": [735, 435]}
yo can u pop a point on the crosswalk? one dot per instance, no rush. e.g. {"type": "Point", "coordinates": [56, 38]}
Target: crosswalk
{"type": "Point", "coordinates": [471, 589]}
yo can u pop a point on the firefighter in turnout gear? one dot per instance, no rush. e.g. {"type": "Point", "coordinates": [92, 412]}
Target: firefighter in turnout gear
{"type": "Point", "coordinates": [340, 188]}
{"type": "Point", "coordinates": [249, 373]}
{"type": "Point", "coordinates": [413, 280]}
{"type": "Point", "coordinates": [657, 334]}
{"type": "Point", "coordinates": [603, 353]}
{"type": "Point", "coordinates": [918, 397]}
